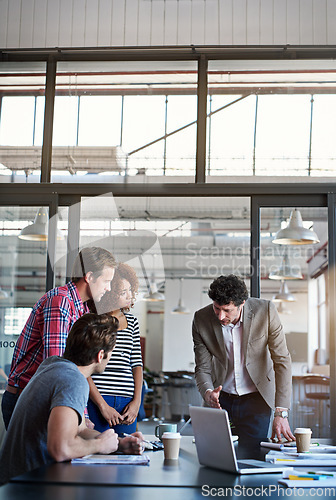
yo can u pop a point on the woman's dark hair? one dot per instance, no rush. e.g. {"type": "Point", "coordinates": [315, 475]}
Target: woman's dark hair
{"type": "Point", "coordinates": [227, 289]}
{"type": "Point", "coordinates": [90, 334]}
{"type": "Point", "coordinates": [110, 300]}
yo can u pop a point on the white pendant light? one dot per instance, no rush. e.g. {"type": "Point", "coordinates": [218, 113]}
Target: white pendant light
{"type": "Point", "coordinates": [284, 295]}
{"type": "Point", "coordinates": [38, 231]}
{"type": "Point", "coordinates": [154, 294]}
{"type": "Point", "coordinates": [180, 308]}
{"type": "Point", "coordinates": [283, 310]}
{"type": "Point", "coordinates": [286, 271]}
{"type": "Point", "coordinates": [295, 233]}
{"type": "Point", "coordinates": [3, 294]}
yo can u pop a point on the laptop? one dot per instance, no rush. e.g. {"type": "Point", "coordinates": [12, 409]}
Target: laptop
{"type": "Point", "coordinates": [215, 446]}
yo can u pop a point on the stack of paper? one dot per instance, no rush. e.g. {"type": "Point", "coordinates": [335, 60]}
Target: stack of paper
{"type": "Point", "coordinates": [113, 459]}
{"type": "Point", "coordinates": [316, 479]}
{"type": "Point", "coordinates": [291, 446]}
{"type": "Point", "coordinates": [301, 459]}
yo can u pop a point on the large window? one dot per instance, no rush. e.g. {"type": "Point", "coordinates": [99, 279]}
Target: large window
{"type": "Point", "coordinates": [271, 118]}
{"type": "Point", "coordinates": [138, 120]}
{"type": "Point", "coordinates": [22, 90]}
{"type": "Point", "coordinates": [123, 119]}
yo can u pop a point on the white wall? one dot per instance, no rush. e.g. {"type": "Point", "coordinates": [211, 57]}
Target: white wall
{"type": "Point", "coordinates": [96, 23]}
{"type": "Point", "coordinates": [178, 351]}
{"type": "Point", "coordinates": [154, 336]}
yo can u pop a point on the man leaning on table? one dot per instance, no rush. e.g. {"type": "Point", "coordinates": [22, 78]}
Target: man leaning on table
{"type": "Point", "coordinates": [242, 361]}
{"type": "Point", "coordinates": [48, 423]}
{"type": "Point", "coordinates": [51, 318]}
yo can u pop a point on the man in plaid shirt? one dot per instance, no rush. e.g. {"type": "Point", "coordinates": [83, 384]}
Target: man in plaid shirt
{"type": "Point", "coordinates": [52, 317]}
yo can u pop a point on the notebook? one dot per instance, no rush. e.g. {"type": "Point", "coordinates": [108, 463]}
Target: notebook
{"type": "Point", "coordinates": [215, 446]}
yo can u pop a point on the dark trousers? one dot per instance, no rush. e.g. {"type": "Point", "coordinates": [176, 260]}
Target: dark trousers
{"type": "Point", "coordinates": [249, 416]}
{"type": "Point", "coordinates": [7, 406]}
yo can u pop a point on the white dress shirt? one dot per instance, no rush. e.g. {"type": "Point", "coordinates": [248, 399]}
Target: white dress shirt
{"type": "Point", "coordinates": [237, 380]}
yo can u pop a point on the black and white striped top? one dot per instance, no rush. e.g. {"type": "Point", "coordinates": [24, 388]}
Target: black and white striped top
{"type": "Point", "coordinates": [117, 379]}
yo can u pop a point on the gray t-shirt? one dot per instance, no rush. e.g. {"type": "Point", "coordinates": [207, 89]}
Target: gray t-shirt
{"type": "Point", "coordinates": [57, 382]}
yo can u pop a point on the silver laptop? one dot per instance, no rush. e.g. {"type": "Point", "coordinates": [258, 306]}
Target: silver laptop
{"type": "Point", "coordinates": [215, 446]}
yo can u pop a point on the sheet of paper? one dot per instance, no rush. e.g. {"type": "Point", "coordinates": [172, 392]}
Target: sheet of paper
{"type": "Point", "coordinates": [321, 483]}
{"type": "Point", "coordinates": [113, 459]}
{"type": "Point", "coordinates": [301, 459]}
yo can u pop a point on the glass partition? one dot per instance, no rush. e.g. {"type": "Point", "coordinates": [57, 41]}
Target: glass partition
{"type": "Point", "coordinates": [294, 277]}
{"type": "Point", "coordinates": [23, 264]}
{"type": "Point", "coordinates": [177, 246]}
{"type": "Point", "coordinates": [22, 276]}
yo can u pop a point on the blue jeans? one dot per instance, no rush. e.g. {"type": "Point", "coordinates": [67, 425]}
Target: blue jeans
{"type": "Point", "coordinates": [249, 415]}
{"type": "Point", "coordinates": [116, 402]}
{"type": "Point", "coordinates": [7, 406]}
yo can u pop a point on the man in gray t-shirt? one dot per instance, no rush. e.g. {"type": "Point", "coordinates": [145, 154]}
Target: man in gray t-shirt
{"type": "Point", "coordinates": [48, 421]}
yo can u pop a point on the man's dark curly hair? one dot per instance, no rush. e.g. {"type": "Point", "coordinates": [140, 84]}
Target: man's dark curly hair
{"type": "Point", "coordinates": [226, 289]}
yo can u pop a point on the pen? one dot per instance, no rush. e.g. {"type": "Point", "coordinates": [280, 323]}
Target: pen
{"type": "Point", "coordinates": [130, 435]}
{"type": "Point", "coordinates": [303, 478]}
{"type": "Point", "coordinates": [320, 473]}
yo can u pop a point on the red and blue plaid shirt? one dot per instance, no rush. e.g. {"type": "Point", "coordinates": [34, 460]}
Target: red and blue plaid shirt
{"type": "Point", "coordinates": [45, 331]}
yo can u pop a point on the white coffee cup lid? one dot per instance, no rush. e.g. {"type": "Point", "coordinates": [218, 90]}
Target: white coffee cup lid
{"type": "Point", "coordinates": [171, 435]}
{"type": "Point", "coordinates": [302, 430]}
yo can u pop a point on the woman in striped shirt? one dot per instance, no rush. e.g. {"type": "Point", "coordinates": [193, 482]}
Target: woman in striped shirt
{"type": "Point", "coordinates": [115, 395]}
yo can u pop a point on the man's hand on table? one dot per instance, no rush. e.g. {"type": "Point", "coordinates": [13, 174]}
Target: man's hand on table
{"type": "Point", "coordinates": [132, 445]}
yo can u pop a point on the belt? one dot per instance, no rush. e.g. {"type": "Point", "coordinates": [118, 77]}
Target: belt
{"type": "Point", "coordinates": [13, 390]}
{"type": "Point", "coordinates": [236, 396]}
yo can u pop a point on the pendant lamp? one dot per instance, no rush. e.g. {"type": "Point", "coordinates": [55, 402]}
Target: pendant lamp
{"type": "Point", "coordinates": [286, 271]}
{"type": "Point", "coordinates": [180, 308]}
{"type": "Point", "coordinates": [3, 294]}
{"type": "Point", "coordinates": [283, 310]}
{"type": "Point", "coordinates": [295, 233]}
{"type": "Point", "coordinates": [284, 295]}
{"type": "Point", "coordinates": [38, 231]}
{"type": "Point", "coordinates": [154, 295]}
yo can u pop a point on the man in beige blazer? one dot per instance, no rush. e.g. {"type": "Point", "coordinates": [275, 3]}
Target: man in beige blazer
{"type": "Point", "coordinates": [242, 361]}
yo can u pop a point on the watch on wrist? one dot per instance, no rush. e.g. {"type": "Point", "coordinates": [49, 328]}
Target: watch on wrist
{"type": "Point", "coordinates": [281, 413]}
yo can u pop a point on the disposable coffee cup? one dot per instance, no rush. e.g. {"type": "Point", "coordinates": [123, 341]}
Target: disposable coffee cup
{"type": "Point", "coordinates": [171, 445]}
{"type": "Point", "coordinates": [302, 436]}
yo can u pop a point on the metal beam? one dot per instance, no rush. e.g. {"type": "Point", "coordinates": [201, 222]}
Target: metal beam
{"type": "Point", "coordinates": [255, 248]}
{"type": "Point", "coordinates": [272, 195]}
{"type": "Point", "coordinates": [48, 121]}
{"type": "Point", "coordinates": [73, 235]}
{"type": "Point", "coordinates": [52, 238]}
{"type": "Point", "coordinates": [171, 53]}
{"type": "Point", "coordinates": [202, 93]}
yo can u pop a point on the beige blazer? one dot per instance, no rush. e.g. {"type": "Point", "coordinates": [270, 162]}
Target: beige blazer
{"type": "Point", "coordinates": [267, 359]}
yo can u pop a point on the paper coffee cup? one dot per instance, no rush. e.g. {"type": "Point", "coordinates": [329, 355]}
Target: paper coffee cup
{"type": "Point", "coordinates": [302, 436]}
{"type": "Point", "coordinates": [171, 445]}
